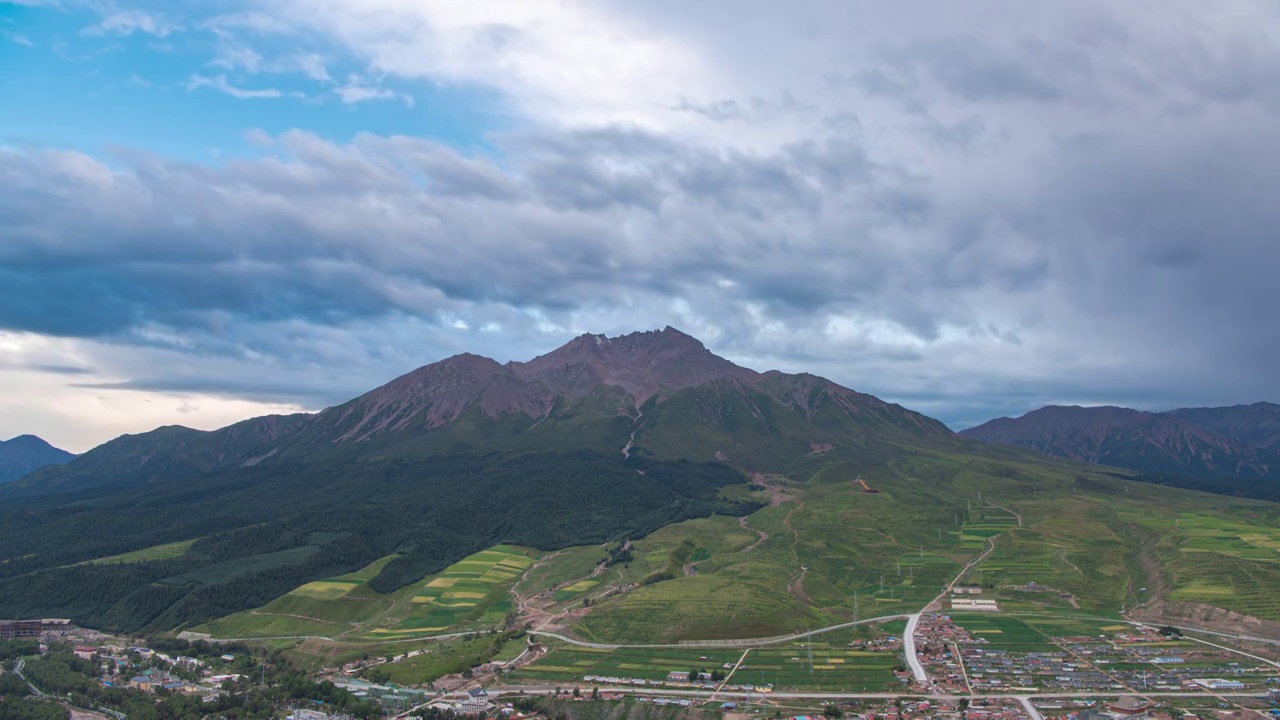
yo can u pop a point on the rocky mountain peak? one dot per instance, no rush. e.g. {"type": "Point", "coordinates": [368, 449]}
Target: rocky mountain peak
{"type": "Point", "coordinates": [641, 363]}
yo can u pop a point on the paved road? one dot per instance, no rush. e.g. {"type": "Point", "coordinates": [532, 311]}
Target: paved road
{"type": "Point", "coordinates": [1031, 709]}
{"type": "Point", "coordinates": [17, 670]}
{"type": "Point", "coordinates": [909, 649]}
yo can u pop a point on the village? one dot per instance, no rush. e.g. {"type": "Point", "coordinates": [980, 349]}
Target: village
{"type": "Point", "coordinates": [980, 666]}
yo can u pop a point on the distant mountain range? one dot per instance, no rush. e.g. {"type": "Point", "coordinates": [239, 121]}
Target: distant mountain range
{"type": "Point", "coordinates": [26, 453]}
{"type": "Point", "coordinates": [1240, 442]}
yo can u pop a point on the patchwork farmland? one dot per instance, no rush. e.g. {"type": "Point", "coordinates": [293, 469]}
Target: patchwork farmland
{"type": "Point", "coordinates": [473, 593]}
{"type": "Point", "coordinates": [833, 666]}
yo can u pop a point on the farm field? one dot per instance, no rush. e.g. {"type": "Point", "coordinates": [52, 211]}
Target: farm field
{"type": "Point", "coordinates": [819, 553]}
{"type": "Point", "coordinates": [834, 666]}
{"type": "Point", "coordinates": [470, 594]}
{"type": "Point", "coordinates": [1007, 633]}
{"type": "Point", "coordinates": [1067, 626]}
{"type": "Point", "coordinates": [1218, 535]}
{"type": "Point", "coordinates": [1222, 561]}
{"type": "Point", "coordinates": [565, 565]}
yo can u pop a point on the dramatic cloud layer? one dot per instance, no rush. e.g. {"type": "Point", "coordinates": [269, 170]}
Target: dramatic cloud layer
{"type": "Point", "coordinates": [972, 213]}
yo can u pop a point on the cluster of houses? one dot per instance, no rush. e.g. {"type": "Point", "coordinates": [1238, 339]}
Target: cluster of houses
{"type": "Point", "coordinates": [908, 709]}
{"type": "Point", "coordinates": [148, 670]}
{"type": "Point", "coordinates": [938, 640]}
{"type": "Point", "coordinates": [1132, 659]}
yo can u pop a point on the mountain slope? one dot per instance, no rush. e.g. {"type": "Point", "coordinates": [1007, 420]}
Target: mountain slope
{"type": "Point", "coordinates": [1256, 425]}
{"type": "Point", "coordinates": [594, 393]}
{"type": "Point", "coordinates": [640, 416]}
{"type": "Point", "coordinates": [1241, 442]}
{"type": "Point", "coordinates": [26, 453]}
{"type": "Point", "coordinates": [168, 453]}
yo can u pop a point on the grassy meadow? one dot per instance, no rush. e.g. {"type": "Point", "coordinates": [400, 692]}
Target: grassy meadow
{"type": "Point", "coordinates": [167, 551]}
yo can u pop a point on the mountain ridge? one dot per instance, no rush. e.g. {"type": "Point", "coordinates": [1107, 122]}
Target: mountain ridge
{"type": "Point", "coordinates": [1241, 442]}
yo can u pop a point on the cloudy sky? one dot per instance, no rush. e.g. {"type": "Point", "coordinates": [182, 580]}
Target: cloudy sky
{"type": "Point", "coordinates": [212, 210]}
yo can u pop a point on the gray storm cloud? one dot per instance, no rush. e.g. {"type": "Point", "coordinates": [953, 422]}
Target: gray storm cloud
{"type": "Point", "coordinates": [971, 221]}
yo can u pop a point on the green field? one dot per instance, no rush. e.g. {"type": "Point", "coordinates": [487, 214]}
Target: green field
{"type": "Point", "coordinates": [562, 567]}
{"type": "Point", "coordinates": [470, 594]}
{"type": "Point", "coordinates": [1239, 540]}
{"type": "Point", "coordinates": [833, 667]}
{"type": "Point", "coordinates": [155, 552]}
{"type": "Point", "coordinates": [1005, 633]}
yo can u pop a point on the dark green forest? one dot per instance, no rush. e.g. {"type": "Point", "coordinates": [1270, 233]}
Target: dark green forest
{"type": "Point", "coordinates": [262, 531]}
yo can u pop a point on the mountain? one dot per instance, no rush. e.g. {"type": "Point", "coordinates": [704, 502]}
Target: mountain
{"type": "Point", "coordinates": [737, 488]}
{"type": "Point", "coordinates": [1241, 442]}
{"type": "Point", "coordinates": [601, 438]}
{"type": "Point", "coordinates": [660, 394]}
{"type": "Point", "coordinates": [25, 453]}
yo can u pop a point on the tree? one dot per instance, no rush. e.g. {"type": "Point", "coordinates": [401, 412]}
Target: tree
{"type": "Point", "coordinates": [577, 692]}
{"type": "Point", "coordinates": [595, 693]}
{"type": "Point", "coordinates": [832, 711]}
{"type": "Point", "coordinates": [693, 676]}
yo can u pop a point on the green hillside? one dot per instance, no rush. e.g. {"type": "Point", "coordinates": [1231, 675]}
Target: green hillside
{"type": "Point", "coordinates": [265, 531]}
{"type": "Point", "coordinates": [472, 593]}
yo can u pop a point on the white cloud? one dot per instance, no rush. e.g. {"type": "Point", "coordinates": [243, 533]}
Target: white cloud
{"type": "Point", "coordinates": [356, 91]}
{"type": "Point", "coordinates": [18, 38]}
{"type": "Point", "coordinates": [219, 83]}
{"type": "Point", "coordinates": [44, 382]}
{"type": "Point", "coordinates": [572, 63]}
{"type": "Point", "coordinates": [127, 22]}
